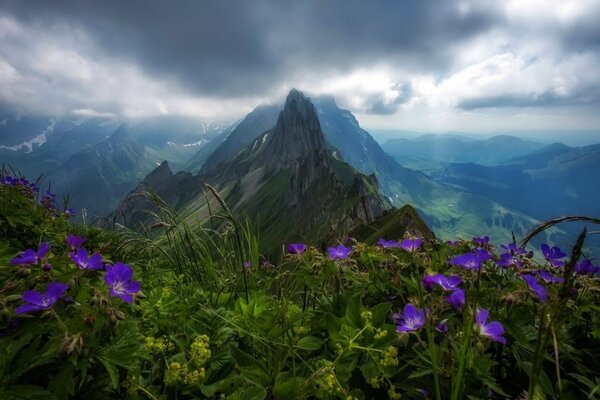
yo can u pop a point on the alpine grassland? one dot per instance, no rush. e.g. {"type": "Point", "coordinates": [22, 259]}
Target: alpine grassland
{"type": "Point", "coordinates": [195, 311]}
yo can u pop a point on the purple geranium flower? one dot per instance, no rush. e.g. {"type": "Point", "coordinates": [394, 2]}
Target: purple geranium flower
{"type": "Point", "coordinates": [75, 241]}
{"type": "Point", "coordinates": [472, 260]}
{"type": "Point", "coordinates": [339, 253]}
{"type": "Point", "coordinates": [69, 212]}
{"type": "Point", "coordinates": [35, 301]}
{"type": "Point", "coordinates": [536, 287]}
{"type": "Point", "coordinates": [296, 248]}
{"type": "Point", "coordinates": [411, 320]}
{"type": "Point", "coordinates": [553, 255]}
{"type": "Point", "coordinates": [550, 278]}
{"type": "Point", "coordinates": [482, 242]}
{"type": "Point", "coordinates": [446, 282]}
{"type": "Point", "coordinates": [118, 278]}
{"type": "Point", "coordinates": [456, 299]}
{"type": "Point", "coordinates": [510, 258]}
{"type": "Point", "coordinates": [84, 261]}
{"type": "Point", "coordinates": [387, 244]}
{"type": "Point", "coordinates": [494, 330]}
{"type": "Point", "coordinates": [586, 267]}
{"type": "Point", "coordinates": [442, 327]}
{"type": "Point", "coordinates": [247, 264]}
{"type": "Point", "coordinates": [30, 256]}
{"type": "Point", "coordinates": [411, 245]}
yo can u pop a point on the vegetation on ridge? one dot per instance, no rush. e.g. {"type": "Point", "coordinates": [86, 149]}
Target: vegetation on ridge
{"type": "Point", "coordinates": [209, 318]}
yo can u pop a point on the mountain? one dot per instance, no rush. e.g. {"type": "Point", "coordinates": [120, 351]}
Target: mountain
{"type": "Point", "coordinates": [552, 181]}
{"type": "Point", "coordinates": [447, 210]}
{"type": "Point", "coordinates": [96, 178]}
{"type": "Point", "coordinates": [256, 122]}
{"type": "Point", "coordinates": [287, 180]}
{"type": "Point", "coordinates": [429, 151]}
{"type": "Point", "coordinates": [394, 224]}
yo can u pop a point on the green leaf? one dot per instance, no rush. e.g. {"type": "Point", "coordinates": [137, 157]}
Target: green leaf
{"type": "Point", "coordinates": [353, 311]}
{"type": "Point", "coordinates": [254, 393]}
{"type": "Point", "coordinates": [310, 343]}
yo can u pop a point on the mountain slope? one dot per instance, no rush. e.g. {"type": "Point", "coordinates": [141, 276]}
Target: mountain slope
{"type": "Point", "coordinates": [99, 176]}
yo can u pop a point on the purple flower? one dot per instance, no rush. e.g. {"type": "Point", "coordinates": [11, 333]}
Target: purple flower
{"type": "Point", "coordinates": [411, 320]}
{"type": "Point", "coordinates": [513, 249]}
{"type": "Point", "coordinates": [47, 267]}
{"type": "Point", "coordinates": [442, 327]}
{"type": "Point", "coordinates": [482, 242]}
{"type": "Point", "coordinates": [75, 241]}
{"type": "Point", "coordinates": [446, 282]}
{"type": "Point", "coordinates": [456, 299]}
{"type": "Point", "coordinates": [549, 278]}
{"type": "Point", "coordinates": [553, 255]}
{"type": "Point", "coordinates": [339, 253]}
{"type": "Point", "coordinates": [411, 245]}
{"type": "Point", "coordinates": [452, 243]}
{"type": "Point", "coordinates": [536, 287]}
{"type": "Point", "coordinates": [387, 244]}
{"type": "Point", "coordinates": [30, 256]}
{"type": "Point", "coordinates": [84, 261]}
{"type": "Point", "coordinates": [49, 201]}
{"type": "Point", "coordinates": [296, 248]}
{"type": "Point", "coordinates": [586, 267]}
{"type": "Point", "coordinates": [247, 264]}
{"type": "Point", "coordinates": [69, 212]}
{"type": "Point", "coordinates": [494, 330]}
{"type": "Point", "coordinates": [471, 261]}
{"type": "Point", "coordinates": [35, 301]}
{"type": "Point", "coordinates": [118, 278]}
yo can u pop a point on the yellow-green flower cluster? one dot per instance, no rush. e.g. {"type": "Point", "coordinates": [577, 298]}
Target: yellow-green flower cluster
{"type": "Point", "coordinates": [380, 333]}
{"type": "Point", "coordinates": [200, 350]}
{"type": "Point", "coordinates": [159, 345]}
{"type": "Point", "coordinates": [390, 357]}
{"type": "Point", "coordinates": [178, 373]}
{"type": "Point", "coordinates": [325, 380]}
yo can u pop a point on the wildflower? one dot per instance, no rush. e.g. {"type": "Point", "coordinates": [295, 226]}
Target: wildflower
{"type": "Point", "coordinates": [84, 261]}
{"type": "Point", "coordinates": [446, 282]}
{"type": "Point", "coordinates": [553, 255]}
{"type": "Point", "coordinates": [494, 330]}
{"type": "Point", "coordinates": [411, 245]}
{"type": "Point", "coordinates": [75, 241]}
{"type": "Point", "coordinates": [247, 264]}
{"type": "Point", "coordinates": [482, 242]}
{"type": "Point", "coordinates": [535, 287]}
{"type": "Point", "coordinates": [510, 257]}
{"type": "Point", "coordinates": [549, 278]}
{"type": "Point", "coordinates": [339, 253]}
{"type": "Point", "coordinates": [118, 278]}
{"type": "Point", "coordinates": [49, 201]}
{"type": "Point", "coordinates": [411, 320]}
{"type": "Point", "coordinates": [47, 267]}
{"type": "Point", "coordinates": [296, 248]}
{"type": "Point", "coordinates": [456, 299]}
{"type": "Point", "coordinates": [36, 301]}
{"type": "Point", "coordinates": [30, 256]}
{"type": "Point", "coordinates": [442, 327]}
{"type": "Point", "coordinates": [471, 261]}
{"type": "Point", "coordinates": [387, 244]}
{"type": "Point", "coordinates": [69, 212]}
{"type": "Point", "coordinates": [586, 267]}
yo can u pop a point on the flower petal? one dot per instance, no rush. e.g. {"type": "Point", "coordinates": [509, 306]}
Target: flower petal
{"type": "Point", "coordinates": [33, 297]}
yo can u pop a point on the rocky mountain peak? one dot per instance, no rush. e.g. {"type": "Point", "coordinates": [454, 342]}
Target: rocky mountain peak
{"type": "Point", "coordinates": [297, 134]}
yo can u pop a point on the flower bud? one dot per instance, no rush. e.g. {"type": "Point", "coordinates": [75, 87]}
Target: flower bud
{"type": "Point", "coordinates": [47, 267]}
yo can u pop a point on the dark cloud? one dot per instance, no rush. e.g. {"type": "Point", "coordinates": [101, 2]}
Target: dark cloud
{"type": "Point", "coordinates": [233, 48]}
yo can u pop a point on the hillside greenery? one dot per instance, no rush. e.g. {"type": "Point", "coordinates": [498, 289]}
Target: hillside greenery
{"type": "Point", "coordinates": [181, 312]}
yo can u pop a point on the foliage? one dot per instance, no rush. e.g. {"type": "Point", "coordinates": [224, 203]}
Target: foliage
{"type": "Point", "coordinates": [215, 320]}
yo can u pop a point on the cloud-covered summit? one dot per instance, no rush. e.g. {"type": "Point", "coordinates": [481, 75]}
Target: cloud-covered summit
{"type": "Point", "coordinates": [414, 64]}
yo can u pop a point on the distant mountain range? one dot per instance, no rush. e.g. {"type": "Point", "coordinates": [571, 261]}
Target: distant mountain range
{"type": "Point", "coordinates": [430, 151]}
{"type": "Point", "coordinates": [472, 187]}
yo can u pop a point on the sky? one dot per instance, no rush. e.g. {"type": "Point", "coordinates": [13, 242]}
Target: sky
{"type": "Point", "coordinates": [474, 66]}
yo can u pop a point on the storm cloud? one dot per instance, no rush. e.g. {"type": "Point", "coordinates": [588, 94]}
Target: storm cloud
{"type": "Point", "coordinates": [220, 58]}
